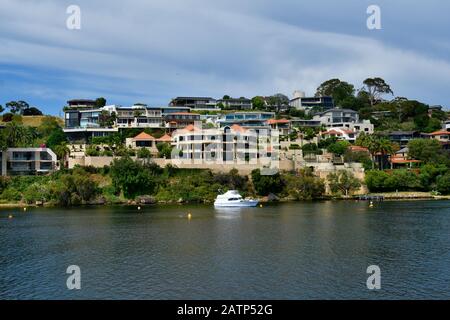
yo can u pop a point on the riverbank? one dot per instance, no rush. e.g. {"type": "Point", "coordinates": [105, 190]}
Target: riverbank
{"type": "Point", "coordinates": [399, 196]}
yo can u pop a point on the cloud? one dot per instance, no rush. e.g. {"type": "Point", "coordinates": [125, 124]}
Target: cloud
{"type": "Point", "coordinates": [152, 51]}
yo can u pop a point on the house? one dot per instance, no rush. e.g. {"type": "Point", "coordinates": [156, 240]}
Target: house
{"type": "Point", "coordinates": [301, 102]}
{"type": "Point", "coordinates": [249, 120]}
{"type": "Point", "coordinates": [195, 103]}
{"type": "Point", "coordinates": [441, 136]}
{"type": "Point", "coordinates": [236, 103]}
{"type": "Point", "coordinates": [28, 161]}
{"type": "Point", "coordinates": [282, 125]}
{"type": "Point", "coordinates": [178, 120]}
{"type": "Point", "coordinates": [340, 134]}
{"type": "Point", "coordinates": [403, 137]}
{"type": "Point", "coordinates": [401, 160]}
{"type": "Point", "coordinates": [145, 140]}
{"type": "Point", "coordinates": [344, 118]}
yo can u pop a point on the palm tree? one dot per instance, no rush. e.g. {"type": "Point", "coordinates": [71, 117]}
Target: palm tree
{"type": "Point", "coordinates": [61, 152]}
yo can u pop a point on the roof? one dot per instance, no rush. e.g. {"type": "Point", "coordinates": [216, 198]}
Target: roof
{"type": "Point", "coordinates": [337, 109]}
{"type": "Point", "coordinates": [191, 127]}
{"type": "Point", "coordinates": [400, 159]}
{"type": "Point", "coordinates": [403, 150]}
{"type": "Point", "coordinates": [358, 148]}
{"type": "Point", "coordinates": [340, 132]}
{"type": "Point", "coordinates": [165, 138]}
{"type": "Point", "coordinates": [397, 133]}
{"type": "Point", "coordinates": [182, 114]}
{"type": "Point", "coordinates": [143, 136]}
{"type": "Point", "coordinates": [275, 121]}
{"type": "Point", "coordinates": [238, 128]}
{"type": "Point", "coordinates": [193, 98]}
{"type": "Point", "coordinates": [439, 133]}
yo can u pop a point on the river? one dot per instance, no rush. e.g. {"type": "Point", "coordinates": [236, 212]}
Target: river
{"type": "Point", "coordinates": [305, 250]}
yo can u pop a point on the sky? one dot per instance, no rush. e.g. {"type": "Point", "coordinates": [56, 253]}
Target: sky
{"type": "Point", "coordinates": [150, 51]}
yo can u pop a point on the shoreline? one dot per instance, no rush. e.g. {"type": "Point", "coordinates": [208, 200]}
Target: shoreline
{"type": "Point", "coordinates": [388, 196]}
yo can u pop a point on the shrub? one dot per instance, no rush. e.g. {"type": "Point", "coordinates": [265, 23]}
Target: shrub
{"type": "Point", "coordinates": [267, 184]}
{"type": "Point", "coordinates": [443, 183]}
{"type": "Point", "coordinates": [143, 153]}
{"type": "Point", "coordinates": [11, 194]}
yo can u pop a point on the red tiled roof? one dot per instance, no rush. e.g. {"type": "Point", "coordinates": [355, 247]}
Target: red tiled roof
{"type": "Point", "coordinates": [237, 127]}
{"type": "Point", "coordinates": [165, 138]}
{"type": "Point", "coordinates": [358, 148]}
{"type": "Point", "coordinates": [275, 121]}
{"type": "Point", "coordinates": [144, 136]}
{"type": "Point", "coordinates": [439, 133]}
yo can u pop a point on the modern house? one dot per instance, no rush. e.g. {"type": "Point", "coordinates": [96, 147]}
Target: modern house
{"type": "Point", "coordinates": [236, 103]}
{"type": "Point", "coordinates": [344, 118]}
{"type": "Point", "coordinates": [340, 134]}
{"type": "Point", "coordinates": [301, 102]}
{"type": "Point", "coordinates": [178, 120]}
{"type": "Point", "coordinates": [403, 137]}
{"type": "Point", "coordinates": [195, 103]}
{"type": "Point", "coordinates": [248, 120]}
{"type": "Point", "coordinates": [27, 161]}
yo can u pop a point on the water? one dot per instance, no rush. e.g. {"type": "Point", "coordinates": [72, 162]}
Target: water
{"type": "Point", "coordinates": [307, 250]}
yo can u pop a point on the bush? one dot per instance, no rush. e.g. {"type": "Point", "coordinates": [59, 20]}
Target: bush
{"type": "Point", "coordinates": [267, 184]}
{"type": "Point", "coordinates": [338, 148]}
{"type": "Point", "coordinates": [443, 184]}
{"type": "Point", "coordinates": [143, 153]}
{"type": "Point", "coordinates": [11, 194]}
{"type": "Point", "coordinates": [304, 185]}
{"type": "Point", "coordinates": [398, 180]}
{"type": "Point", "coordinates": [92, 151]}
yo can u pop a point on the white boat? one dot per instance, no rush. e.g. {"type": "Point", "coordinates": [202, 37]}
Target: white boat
{"type": "Point", "coordinates": [232, 198]}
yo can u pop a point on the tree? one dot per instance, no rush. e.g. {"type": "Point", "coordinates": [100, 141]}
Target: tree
{"type": "Point", "coordinates": [1, 109]}
{"type": "Point", "coordinates": [305, 185]}
{"type": "Point", "coordinates": [61, 151]}
{"type": "Point", "coordinates": [226, 97]}
{"type": "Point", "coordinates": [100, 102]}
{"type": "Point", "coordinates": [343, 181]}
{"type": "Point", "coordinates": [56, 138]}
{"type": "Point", "coordinates": [32, 111]}
{"type": "Point", "coordinates": [339, 147]}
{"type": "Point", "coordinates": [339, 90]}
{"type": "Point", "coordinates": [164, 150]}
{"type": "Point", "coordinates": [278, 101]}
{"type": "Point", "coordinates": [258, 103]}
{"type": "Point", "coordinates": [443, 183]}
{"type": "Point", "coordinates": [131, 177]}
{"type": "Point", "coordinates": [144, 153]}
{"type": "Point", "coordinates": [376, 88]}
{"type": "Point", "coordinates": [265, 184]}
{"type": "Point", "coordinates": [107, 119]}
{"type": "Point", "coordinates": [378, 147]}
{"type": "Point", "coordinates": [428, 151]}
{"type": "Point", "coordinates": [17, 107]}
{"type": "Point", "coordinates": [48, 125]}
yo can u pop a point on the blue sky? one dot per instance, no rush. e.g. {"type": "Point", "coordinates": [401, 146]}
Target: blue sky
{"type": "Point", "coordinates": [150, 51]}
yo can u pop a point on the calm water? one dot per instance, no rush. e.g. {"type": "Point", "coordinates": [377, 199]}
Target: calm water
{"type": "Point", "coordinates": [287, 251]}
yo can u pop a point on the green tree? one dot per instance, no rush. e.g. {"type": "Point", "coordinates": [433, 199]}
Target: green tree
{"type": "Point", "coordinates": [339, 147]}
{"type": "Point", "coordinates": [427, 151]}
{"type": "Point", "coordinates": [375, 89]}
{"type": "Point", "coordinates": [258, 103]}
{"type": "Point", "coordinates": [339, 90]}
{"type": "Point", "coordinates": [17, 107]}
{"type": "Point", "coordinates": [131, 177]}
{"type": "Point", "coordinates": [266, 184]}
{"type": "Point", "coordinates": [304, 185]}
{"type": "Point", "coordinates": [164, 150]}
{"type": "Point", "coordinates": [443, 183]}
{"type": "Point", "coordinates": [100, 102]}
{"type": "Point", "coordinates": [343, 182]}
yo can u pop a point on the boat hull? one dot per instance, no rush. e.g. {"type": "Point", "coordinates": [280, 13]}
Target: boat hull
{"type": "Point", "coordinates": [246, 203]}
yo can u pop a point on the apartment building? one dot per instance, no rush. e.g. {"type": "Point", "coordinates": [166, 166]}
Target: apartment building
{"type": "Point", "coordinates": [27, 161]}
{"type": "Point", "coordinates": [222, 145]}
{"type": "Point", "coordinates": [178, 120]}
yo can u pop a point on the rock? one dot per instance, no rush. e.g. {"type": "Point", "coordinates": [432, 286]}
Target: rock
{"type": "Point", "coordinates": [180, 200]}
{"type": "Point", "coordinates": [271, 198]}
{"type": "Point", "coordinates": [145, 199]}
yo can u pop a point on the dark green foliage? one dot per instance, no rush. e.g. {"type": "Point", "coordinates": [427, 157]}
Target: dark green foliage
{"type": "Point", "coordinates": [266, 184]}
{"type": "Point", "coordinates": [303, 186]}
